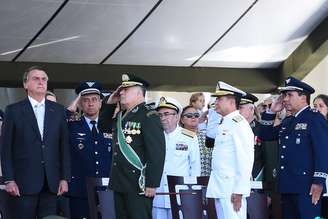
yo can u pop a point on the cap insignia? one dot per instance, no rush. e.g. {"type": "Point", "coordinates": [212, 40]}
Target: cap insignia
{"type": "Point", "coordinates": [125, 77]}
{"type": "Point", "coordinates": [90, 84]}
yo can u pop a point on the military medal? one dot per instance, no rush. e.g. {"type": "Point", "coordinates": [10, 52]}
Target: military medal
{"type": "Point", "coordinates": [81, 146]}
{"type": "Point", "coordinates": [274, 173]}
{"type": "Point", "coordinates": [128, 139]}
{"type": "Point", "coordinates": [132, 125]}
{"type": "Point", "coordinates": [138, 132]}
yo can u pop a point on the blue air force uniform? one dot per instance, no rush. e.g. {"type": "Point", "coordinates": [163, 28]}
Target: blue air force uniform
{"type": "Point", "coordinates": [90, 156]}
{"type": "Point", "coordinates": [303, 153]}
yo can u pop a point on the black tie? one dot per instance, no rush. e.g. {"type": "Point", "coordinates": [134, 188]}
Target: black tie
{"type": "Point", "coordinates": [94, 129]}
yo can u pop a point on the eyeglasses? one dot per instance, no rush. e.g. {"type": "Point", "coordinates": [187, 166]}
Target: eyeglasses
{"type": "Point", "coordinates": [191, 115]}
{"type": "Point", "coordinates": [266, 105]}
{"type": "Point", "coordinates": [166, 114]}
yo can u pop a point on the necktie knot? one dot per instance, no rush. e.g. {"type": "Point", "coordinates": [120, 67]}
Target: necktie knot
{"type": "Point", "coordinates": [94, 128]}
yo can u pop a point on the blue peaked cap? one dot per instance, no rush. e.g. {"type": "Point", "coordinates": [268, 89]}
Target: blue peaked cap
{"type": "Point", "coordinates": [293, 84]}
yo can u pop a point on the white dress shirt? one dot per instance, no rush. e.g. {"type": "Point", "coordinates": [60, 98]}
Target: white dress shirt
{"type": "Point", "coordinates": [39, 111]}
{"type": "Point", "coordinates": [89, 123]}
{"type": "Point", "coordinates": [213, 122]}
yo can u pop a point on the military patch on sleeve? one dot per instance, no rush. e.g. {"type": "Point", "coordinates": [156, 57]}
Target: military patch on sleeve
{"type": "Point", "coordinates": [188, 133]}
{"type": "Point", "coordinates": [237, 118]}
{"type": "Point", "coordinates": [152, 112]}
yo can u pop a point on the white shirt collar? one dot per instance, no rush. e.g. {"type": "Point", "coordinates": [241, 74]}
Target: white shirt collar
{"type": "Point", "coordinates": [35, 102]}
{"type": "Point", "coordinates": [89, 120]}
{"type": "Point", "coordinates": [176, 130]}
{"type": "Point", "coordinates": [232, 114]}
{"type": "Point", "coordinates": [296, 114]}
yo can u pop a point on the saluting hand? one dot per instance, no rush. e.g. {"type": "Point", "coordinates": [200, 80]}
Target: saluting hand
{"type": "Point", "coordinates": [75, 104]}
{"type": "Point", "coordinates": [150, 192]}
{"type": "Point", "coordinates": [236, 201]}
{"type": "Point", "coordinates": [316, 191]}
{"type": "Point", "coordinates": [63, 187]}
{"type": "Point", "coordinates": [115, 96]}
{"type": "Point", "coordinates": [12, 188]}
{"type": "Point", "coordinates": [277, 105]}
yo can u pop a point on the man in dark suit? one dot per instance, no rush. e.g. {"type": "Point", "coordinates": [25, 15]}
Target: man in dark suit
{"type": "Point", "coordinates": [138, 152]}
{"type": "Point", "coordinates": [35, 150]}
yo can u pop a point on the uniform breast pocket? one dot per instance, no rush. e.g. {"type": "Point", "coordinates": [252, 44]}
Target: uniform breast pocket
{"type": "Point", "coordinates": [180, 153]}
{"type": "Point", "coordinates": [302, 137]}
{"type": "Point", "coordinates": [224, 139]}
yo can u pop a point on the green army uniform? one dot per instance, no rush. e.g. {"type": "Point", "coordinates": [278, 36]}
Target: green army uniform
{"type": "Point", "coordinates": [258, 166]}
{"type": "Point", "coordinates": [143, 132]}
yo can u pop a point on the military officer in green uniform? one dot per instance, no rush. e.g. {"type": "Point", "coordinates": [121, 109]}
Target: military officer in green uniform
{"type": "Point", "coordinates": [138, 148]}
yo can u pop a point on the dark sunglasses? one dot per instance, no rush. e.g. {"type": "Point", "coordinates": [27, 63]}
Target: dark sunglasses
{"type": "Point", "coordinates": [191, 115]}
{"type": "Point", "coordinates": [266, 105]}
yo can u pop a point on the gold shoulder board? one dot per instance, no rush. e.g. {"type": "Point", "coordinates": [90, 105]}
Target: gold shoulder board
{"type": "Point", "coordinates": [188, 133]}
{"type": "Point", "coordinates": [237, 118]}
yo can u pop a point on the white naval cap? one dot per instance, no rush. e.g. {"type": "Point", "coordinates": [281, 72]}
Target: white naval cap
{"type": "Point", "coordinates": [169, 102]}
{"type": "Point", "coordinates": [223, 89]}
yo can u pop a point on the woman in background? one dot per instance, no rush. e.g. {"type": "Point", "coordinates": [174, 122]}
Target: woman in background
{"type": "Point", "coordinates": [321, 104]}
{"type": "Point", "coordinates": [190, 120]}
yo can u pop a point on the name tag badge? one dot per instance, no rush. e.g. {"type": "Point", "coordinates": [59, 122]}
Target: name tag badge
{"type": "Point", "coordinates": [298, 140]}
{"type": "Point", "coordinates": [181, 147]}
{"type": "Point", "coordinates": [107, 135]}
{"type": "Point", "coordinates": [301, 126]}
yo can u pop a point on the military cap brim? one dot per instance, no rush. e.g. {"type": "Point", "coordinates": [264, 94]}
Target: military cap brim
{"type": "Point", "coordinates": [249, 98]}
{"type": "Point", "coordinates": [169, 103]}
{"type": "Point", "coordinates": [89, 87]}
{"type": "Point", "coordinates": [129, 80]}
{"type": "Point", "coordinates": [223, 89]}
{"type": "Point", "coordinates": [293, 84]}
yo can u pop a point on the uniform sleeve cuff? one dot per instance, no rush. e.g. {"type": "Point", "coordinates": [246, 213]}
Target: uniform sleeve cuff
{"type": "Point", "coordinates": [319, 177]}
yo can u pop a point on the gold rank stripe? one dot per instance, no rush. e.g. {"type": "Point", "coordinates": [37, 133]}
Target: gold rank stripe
{"type": "Point", "coordinates": [188, 133]}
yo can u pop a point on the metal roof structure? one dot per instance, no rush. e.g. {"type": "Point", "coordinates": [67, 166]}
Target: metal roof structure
{"type": "Point", "coordinates": [177, 45]}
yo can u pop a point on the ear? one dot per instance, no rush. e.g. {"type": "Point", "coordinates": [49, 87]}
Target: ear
{"type": "Point", "coordinates": [24, 85]}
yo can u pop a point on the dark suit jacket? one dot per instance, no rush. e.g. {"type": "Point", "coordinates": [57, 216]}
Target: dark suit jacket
{"type": "Point", "coordinates": [25, 157]}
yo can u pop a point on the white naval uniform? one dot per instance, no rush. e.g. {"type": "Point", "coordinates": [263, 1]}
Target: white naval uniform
{"type": "Point", "coordinates": [182, 158]}
{"type": "Point", "coordinates": [232, 163]}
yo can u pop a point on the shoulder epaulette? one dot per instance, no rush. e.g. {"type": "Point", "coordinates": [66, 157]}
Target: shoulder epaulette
{"type": "Point", "coordinates": [74, 117]}
{"type": "Point", "coordinates": [152, 112]}
{"type": "Point", "coordinates": [237, 118]}
{"type": "Point", "coordinates": [188, 133]}
{"type": "Point", "coordinates": [149, 107]}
